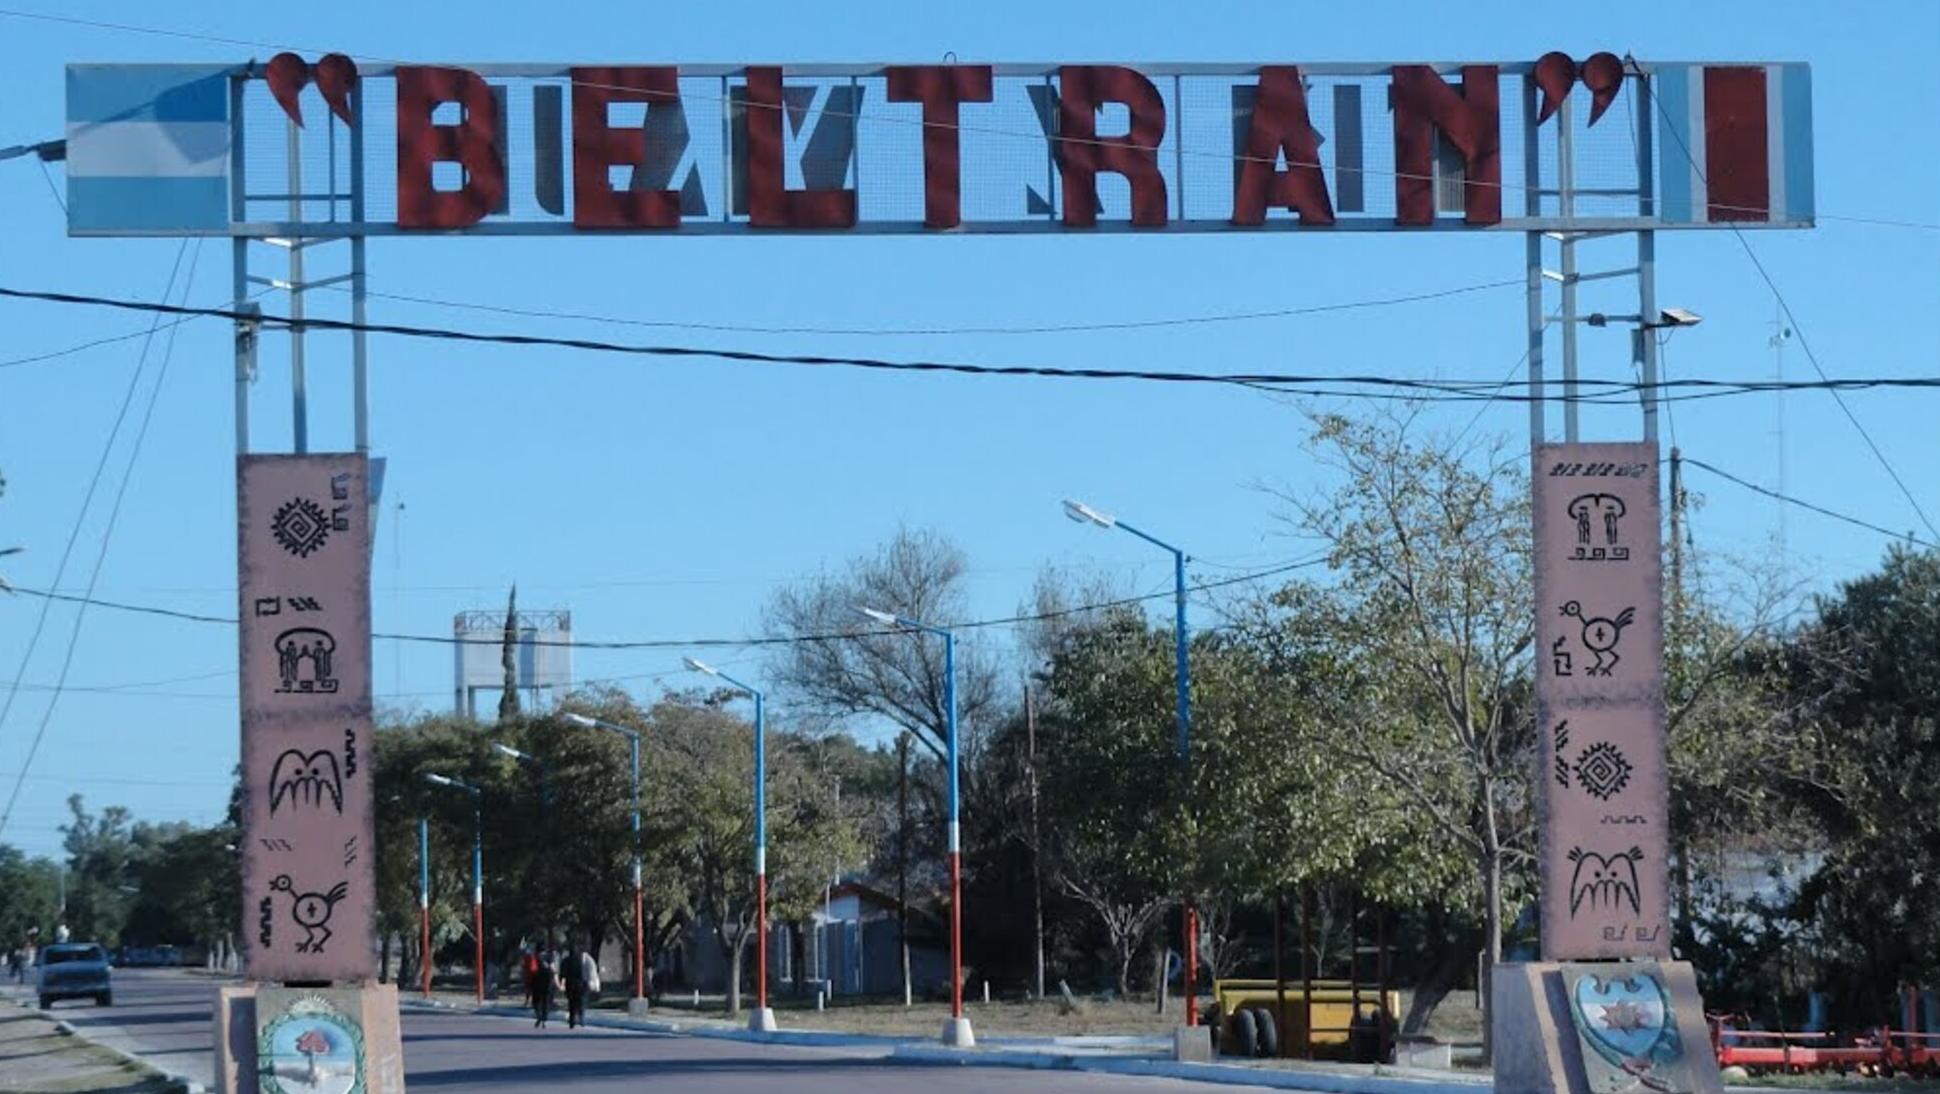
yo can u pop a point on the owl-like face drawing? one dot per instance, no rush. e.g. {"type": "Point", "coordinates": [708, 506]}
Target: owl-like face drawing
{"type": "Point", "coordinates": [1605, 883]}
{"type": "Point", "coordinates": [311, 779]}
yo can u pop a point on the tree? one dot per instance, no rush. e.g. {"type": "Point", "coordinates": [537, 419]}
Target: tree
{"type": "Point", "coordinates": [708, 754]}
{"type": "Point", "coordinates": [870, 670]}
{"type": "Point", "coordinates": [29, 895]}
{"type": "Point", "coordinates": [508, 699]}
{"type": "Point", "coordinates": [190, 890]}
{"type": "Point", "coordinates": [1430, 613]}
{"type": "Point", "coordinates": [1110, 787]}
{"type": "Point", "coordinates": [1872, 662]}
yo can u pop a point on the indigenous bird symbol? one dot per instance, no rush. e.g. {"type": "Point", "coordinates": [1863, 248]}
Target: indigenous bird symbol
{"type": "Point", "coordinates": [1600, 636]}
{"type": "Point", "coordinates": [1606, 883]}
{"type": "Point", "coordinates": [311, 911]}
{"type": "Point", "coordinates": [302, 778]}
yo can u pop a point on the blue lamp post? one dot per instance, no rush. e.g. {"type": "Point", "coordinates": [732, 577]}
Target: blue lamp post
{"type": "Point", "coordinates": [763, 1018]}
{"type": "Point", "coordinates": [639, 898]}
{"type": "Point", "coordinates": [1085, 514]}
{"type": "Point", "coordinates": [957, 1030]}
{"type": "Point", "coordinates": [478, 873]}
{"type": "Point", "coordinates": [424, 905]}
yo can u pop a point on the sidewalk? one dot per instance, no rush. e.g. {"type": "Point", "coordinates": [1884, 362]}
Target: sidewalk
{"type": "Point", "coordinates": [38, 1053]}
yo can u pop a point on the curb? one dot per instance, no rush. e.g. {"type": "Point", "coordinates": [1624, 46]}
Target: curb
{"type": "Point", "coordinates": [803, 1038]}
{"type": "Point", "coordinates": [1108, 1054]}
{"type": "Point", "coordinates": [180, 1082]}
{"type": "Point", "coordinates": [1228, 1074]}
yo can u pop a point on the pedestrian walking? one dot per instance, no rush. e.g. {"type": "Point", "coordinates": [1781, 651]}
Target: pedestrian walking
{"type": "Point", "coordinates": [581, 976]}
{"type": "Point", "coordinates": [529, 969]}
{"type": "Point", "coordinates": [543, 982]}
{"type": "Point", "coordinates": [17, 963]}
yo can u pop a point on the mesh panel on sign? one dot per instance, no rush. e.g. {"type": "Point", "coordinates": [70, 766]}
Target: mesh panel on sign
{"type": "Point", "coordinates": [841, 131]}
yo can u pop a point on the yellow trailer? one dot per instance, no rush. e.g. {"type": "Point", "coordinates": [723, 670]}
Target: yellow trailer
{"type": "Point", "coordinates": [1340, 1021]}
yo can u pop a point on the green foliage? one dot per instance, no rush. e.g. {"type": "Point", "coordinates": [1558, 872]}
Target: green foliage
{"type": "Point", "coordinates": [29, 896]}
{"type": "Point", "coordinates": [558, 839]}
{"type": "Point", "coordinates": [1871, 665]}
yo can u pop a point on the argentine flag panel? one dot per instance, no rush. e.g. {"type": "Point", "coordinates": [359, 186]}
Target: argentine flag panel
{"type": "Point", "coordinates": [1737, 144]}
{"type": "Point", "coordinates": [147, 149]}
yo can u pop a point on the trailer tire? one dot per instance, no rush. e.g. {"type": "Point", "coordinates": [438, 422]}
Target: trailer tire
{"type": "Point", "coordinates": [1246, 1033]}
{"type": "Point", "coordinates": [1268, 1031]}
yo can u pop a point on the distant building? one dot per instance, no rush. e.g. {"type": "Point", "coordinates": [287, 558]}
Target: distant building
{"type": "Point", "coordinates": [851, 942]}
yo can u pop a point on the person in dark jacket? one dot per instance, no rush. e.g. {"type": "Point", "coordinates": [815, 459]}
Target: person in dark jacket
{"type": "Point", "coordinates": [580, 975]}
{"type": "Point", "coordinates": [543, 983]}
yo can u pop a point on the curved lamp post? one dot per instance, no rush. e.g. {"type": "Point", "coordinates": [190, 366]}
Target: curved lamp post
{"type": "Point", "coordinates": [478, 873]}
{"type": "Point", "coordinates": [956, 1031]}
{"type": "Point", "coordinates": [639, 899]}
{"type": "Point", "coordinates": [1085, 514]}
{"type": "Point", "coordinates": [763, 1018]}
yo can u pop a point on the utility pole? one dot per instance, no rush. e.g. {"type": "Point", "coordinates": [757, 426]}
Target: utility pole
{"type": "Point", "coordinates": [1780, 333]}
{"type": "Point", "coordinates": [1677, 534]}
{"type": "Point", "coordinates": [902, 858]}
{"type": "Point", "coordinates": [1037, 850]}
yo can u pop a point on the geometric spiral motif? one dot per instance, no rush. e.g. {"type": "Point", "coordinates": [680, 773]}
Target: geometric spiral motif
{"type": "Point", "coordinates": [301, 527]}
{"type": "Point", "coordinates": [1602, 770]}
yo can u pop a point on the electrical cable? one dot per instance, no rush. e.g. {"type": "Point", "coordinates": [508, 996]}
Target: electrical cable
{"type": "Point", "coordinates": [706, 643]}
{"type": "Point", "coordinates": [1610, 392]}
{"type": "Point", "coordinates": [1907, 537]}
{"type": "Point", "coordinates": [113, 339]}
{"type": "Point", "coordinates": [101, 557]}
{"type": "Point", "coordinates": [1049, 328]}
{"type": "Point", "coordinates": [1798, 331]}
{"type": "Point", "coordinates": [87, 497]}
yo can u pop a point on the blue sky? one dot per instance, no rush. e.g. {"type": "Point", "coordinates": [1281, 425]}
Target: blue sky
{"type": "Point", "coordinates": [668, 499]}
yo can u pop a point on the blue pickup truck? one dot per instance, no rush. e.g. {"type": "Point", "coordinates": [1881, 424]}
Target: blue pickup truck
{"type": "Point", "coordinates": [74, 970]}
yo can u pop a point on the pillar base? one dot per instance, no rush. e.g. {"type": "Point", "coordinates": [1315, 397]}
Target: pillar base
{"type": "Point", "coordinates": [1569, 1028]}
{"type": "Point", "coordinates": [957, 1034]}
{"type": "Point", "coordinates": [762, 1020]}
{"type": "Point", "coordinates": [1192, 1044]}
{"type": "Point", "coordinates": [639, 1007]}
{"type": "Point", "coordinates": [360, 1022]}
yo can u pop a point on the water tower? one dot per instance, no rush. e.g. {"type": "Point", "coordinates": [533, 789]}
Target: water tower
{"type": "Point", "coordinates": [543, 656]}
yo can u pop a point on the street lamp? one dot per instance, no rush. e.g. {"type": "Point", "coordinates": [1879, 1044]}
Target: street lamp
{"type": "Point", "coordinates": [478, 873]}
{"type": "Point", "coordinates": [956, 1031]}
{"type": "Point", "coordinates": [424, 905]}
{"type": "Point", "coordinates": [639, 900]}
{"type": "Point", "coordinates": [763, 1018]}
{"type": "Point", "coordinates": [1085, 514]}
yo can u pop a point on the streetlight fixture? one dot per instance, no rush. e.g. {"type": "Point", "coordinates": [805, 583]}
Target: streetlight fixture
{"type": "Point", "coordinates": [956, 1031]}
{"type": "Point", "coordinates": [639, 899]}
{"type": "Point", "coordinates": [424, 905]}
{"type": "Point", "coordinates": [478, 872]}
{"type": "Point", "coordinates": [1083, 513]}
{"type": "Point", "coordinates": [763, 1018]}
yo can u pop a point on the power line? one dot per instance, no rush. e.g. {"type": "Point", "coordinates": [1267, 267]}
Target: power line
{"type": "Point", "coordinates": [1606, 392]}
{"type": "Point", "coordinates": [1049, 328]}
{"type": "Point", "coordinates": [704, 643]}
{"type": "Point", "coordinates": [113, 339]}
{"type": "Point", "coordinates": [1819, 509]}
{"type": "Point", "coordinates": [101, 557]}
{"type": "Point", "coordinates": [87, 497]}
{"type": "Point", "coordinates": [1785, 306]}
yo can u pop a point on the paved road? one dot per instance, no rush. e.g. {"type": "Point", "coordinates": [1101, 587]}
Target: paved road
{"type": "Point", "coordinates": [165, 1017]}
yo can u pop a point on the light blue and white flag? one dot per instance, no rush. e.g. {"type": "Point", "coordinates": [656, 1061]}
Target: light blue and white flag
{"type": "Point", "coordinates": [147, 149]}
